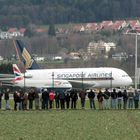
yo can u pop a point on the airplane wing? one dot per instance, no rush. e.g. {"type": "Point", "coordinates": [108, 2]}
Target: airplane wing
{"type": "Point", "coordinates": [78, 83]}
{"type": "Point", "coordinates": [6, 79]}
{"type": "Point", "coordinates": [6, 83]}
{"type": "Point", "coordinates": [6, 76]}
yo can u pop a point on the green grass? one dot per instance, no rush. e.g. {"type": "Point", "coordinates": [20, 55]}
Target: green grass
{"type": "Point", "coordinates": [70, 125]}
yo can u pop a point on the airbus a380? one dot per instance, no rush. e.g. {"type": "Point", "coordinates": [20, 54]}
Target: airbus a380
{"type": "Point", "coordinates": [88, 77]}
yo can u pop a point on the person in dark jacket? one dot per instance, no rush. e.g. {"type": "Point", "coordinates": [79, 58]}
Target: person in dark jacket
{"type": "Point", "coordinates": [119, 97]}
{"type": "Point", "coordinates": [91, 96]}
{"type": "Point", "coordinates": [113, 99]}
{"type": "Point", "coordinates": [6, 97]}
{"type": "Point", "coordinates": [62, 99]}
{"type": "Point", "coordinates": [45, 99]}
{"type": "Point", "coordinates": [21, 99]}
{"type": "Point", "coordinates": [100, 99]}
{"type": "Point", "coordinates": [17, 100]}
{"type": "Point", "coordinates": [57, 100]}
{"type": "Point", "coordinates": [67, 99]}
{"type": "Point", "coordinates": [106, 96]}
{"type": "Point", "coordinates": [125, 97]}
{"type": "Point", "coordinates": [82, 95]}
{"type": "Point", "coordinates": [1, 94]}
{"type": "Point", "coordinates": [31, 95]}
{"type": "Point", "coordinates": [74, 97]}
{"type": "Point", "coordinates": [136, 99]}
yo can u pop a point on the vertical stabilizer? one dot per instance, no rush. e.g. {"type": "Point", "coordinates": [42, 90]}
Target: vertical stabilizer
{"type": "Point", "coordinates": [17, 73]}
{"type": "Point", "coordinates": [29, 61]}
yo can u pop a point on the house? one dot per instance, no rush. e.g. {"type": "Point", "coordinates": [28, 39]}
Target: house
{"type": "Point", "coordinates": [60, 30]}
{"type": "Point", "coordinates": [101, 47]}
{"type": "Point", "coordinates": [5, 35]}
{"type": "Point", "coordinates": [14, 32]}
{"type": "Point", "coordinates": [109, 46]}
{"type": "Point", "coordinates": [40, 30]}
{"type": "Point", "coordinates": [74, 55]}
{"type": "Point", "coordinates": [133, 24]}
{"type": "Point", "coordinates": [78, 28]}
{"type": "Point", "coordinates": [119, 24]}
{"type": "Point", "coordinates": [57, 58]}
{"type": "Point", "coordinates": [91, 27]}
{"type": "Point", "coordinates": [1, 58]}
{"type": "Point", "coordinates": [137, 29]}
{"type": "Point", "coordinates": [22, 31]}
{"type": "Point", "coordinates": [40, 58]}
{"type": "Point", "coordinates": [91, 49]}
{"type": "Point", "coordinates": [105, 24]}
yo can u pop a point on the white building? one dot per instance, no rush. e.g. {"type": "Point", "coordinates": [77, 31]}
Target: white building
{"type": "Point", "coordinates": [101, 46]}
{"type": "Point", "coordinates": [1, 58]}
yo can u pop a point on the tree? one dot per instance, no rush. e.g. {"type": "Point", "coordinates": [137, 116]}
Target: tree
{"type": "Point", "coordinates": [6, 68]}
{"type": "Point", "coordinates": [51, 30]}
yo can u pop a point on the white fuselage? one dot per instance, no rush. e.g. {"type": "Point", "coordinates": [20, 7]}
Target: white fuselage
{"type": "Point", "coordinates": [87, 77]}
{"type": "Point", "coordinates": [49, 83]}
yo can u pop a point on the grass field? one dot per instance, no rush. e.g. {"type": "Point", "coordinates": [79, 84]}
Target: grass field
{"type": "Point", "coordinates": [70, 125]}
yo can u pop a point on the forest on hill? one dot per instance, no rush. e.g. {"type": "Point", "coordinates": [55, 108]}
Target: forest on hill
{"type": "Point", "coordinates": [17, 13]}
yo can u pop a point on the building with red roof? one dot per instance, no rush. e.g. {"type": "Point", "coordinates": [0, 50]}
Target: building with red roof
{"type": "Point", "coordinates": [119, 24]}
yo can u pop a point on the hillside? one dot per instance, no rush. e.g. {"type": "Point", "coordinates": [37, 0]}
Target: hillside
{"type": "Point", "coordinates": [22, 13]}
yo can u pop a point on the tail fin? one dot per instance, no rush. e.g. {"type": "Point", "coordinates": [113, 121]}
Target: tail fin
{"type": "Point", "coordinates": [17, 73]}
{"type": "Point", "coordinates": [29, 62]}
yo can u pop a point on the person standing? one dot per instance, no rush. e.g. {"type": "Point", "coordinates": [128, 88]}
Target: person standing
{"type": "Point", "coordinates": [1, 94]}
{"type": "Point", "coordinates": [91, 96]}
{"type": "Point", "coordinates": [25, 101]}
{"type": "Point", "coordinates": [113, 98]}
{"type": "Point", "coordinates": [136, 99]}
{"type": "Point", "coordinates": [31, 98]}
{"type": "Point", "coordinates": [100, 99]}
{"type": "Point", "coordinates": [15, 96]}
{"type": "Point", "coordinates": [74, 97]}
{"type": "Point", "coordinates": [45, 99]}
{"type": "Point", "coordinates": [57, 99]}
{"type": "Point", "coordinates": [125, 97]}
{"type": "Point", "coordinates": [6, 97]}
{"type": "Point", "coordinates": [36, 97]}
{"type": "Point", "coordinates": [130, 99]}
{"type": "Point", "coordinates": [106, 96]}
{"type": "Point", "coordinates": [21, 99]}
{"type": "Point", "coordinates": [67, 98]}
{"type": "Point", "coordinates": [119, 97]}
{"type": "Point", "coordinates": [62, 99]}
{"type": "Point", "coordinates": [82, 95]}
{"type": "Point", "coordinates": [51, 98]}
{"type": "Point", "coordinates": [18, 101]}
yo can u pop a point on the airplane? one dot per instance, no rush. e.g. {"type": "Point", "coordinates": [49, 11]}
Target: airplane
{"type": "Point", "coordinates": [22, 81]}
{"type": "Point", "coordinates": [6, 77]}
{"type": "Point", "coordinates": [102, 77]}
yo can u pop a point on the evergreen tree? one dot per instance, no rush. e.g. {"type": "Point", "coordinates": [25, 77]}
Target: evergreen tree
{"type": "Point", "coordinates": [51, 30]}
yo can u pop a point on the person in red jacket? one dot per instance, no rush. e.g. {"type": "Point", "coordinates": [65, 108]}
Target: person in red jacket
{"type": "Point", "coordinates": [51, 98]}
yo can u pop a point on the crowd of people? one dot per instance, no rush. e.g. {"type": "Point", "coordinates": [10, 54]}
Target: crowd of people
{"type": "Point", "coordinates": [68, 99]}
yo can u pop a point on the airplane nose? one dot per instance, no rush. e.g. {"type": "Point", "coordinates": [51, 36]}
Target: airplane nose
{"type": "Point", "coordinates": [130, 81]}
